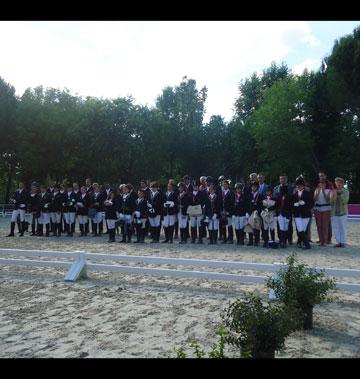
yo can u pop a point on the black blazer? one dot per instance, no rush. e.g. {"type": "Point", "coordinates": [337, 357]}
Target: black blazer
{"type": "Point", "coordinates": [240, 206]}
{"type": "Point", "coordinates": [34, 205]}
{"type": "Point", "coordinates": [286, 209]}
{"type": "Point", "coordinates": [110, 209]}
{"type": "Point", "coordinates": [157, 203]}
{"type": "Point", "coordinates": [21, 198]}
{"type": "Point", "coordinates": [45, 202]}
{"type": "Point", "coordinates": [127, 204]}
{"type": "Point", "coordinates": [167, 211]}
{"type": "Point", "coordinates": [57, 201]}
{"type": "Point", "coordinates": [97, 201]}
{"type": "Point", "coordinates": [303, 211]}
{"type": "Point", "coordinates": [228, 202]}
{"type": "Point", "coordinates": [214, 206]}
{"type": "Point", "coordinates": [254, 203]}
{"type": "Point", "coordinates": [141, 207]}
{"type": "Point", "coordinates": [69, 202]}
{"type": "Point", "coordinates": [198, 199]}
{"type": "Point", "coordinates": [183, 202]}
{"type": "Point", "coordinates": [85, 201]}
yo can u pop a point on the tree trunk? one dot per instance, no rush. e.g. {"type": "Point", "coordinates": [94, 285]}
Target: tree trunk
{"type": "Point", "coordinates": [308, 320]}
{"type": "Point", "coordinates": [8, 184]}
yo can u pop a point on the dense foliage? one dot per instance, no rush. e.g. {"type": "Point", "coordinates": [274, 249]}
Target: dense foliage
{"type": "Point", "coordinates": [300, 285]}
{"type": "Point", "coordinates": [257, 327]}
{"type": "Point", "coordinates": [282, 122]}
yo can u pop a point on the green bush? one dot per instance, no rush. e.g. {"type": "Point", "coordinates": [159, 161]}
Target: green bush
{"type": "Point", "coordinates": [299, 285]}
{"type": "Point", "coordinates": [258, 327]}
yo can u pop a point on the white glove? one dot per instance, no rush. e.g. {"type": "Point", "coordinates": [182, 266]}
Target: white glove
{"type": "Point", "coordinates": [149, 205]}
{"type": "Point", "coordinates": [80, 205]}
{"type": "Point", "coordinates": [172, 204]}
{"type": "Point", "coordinates": [214, 217]}
{"type": "Point", "coordinates": [22, 205]}
{"type": "Point", "coordinates": [296, 204]}
{"type": "Point", "coordinates": [137, 214]}
{"type": "Point", "coordinates": [247, 215]}
{"type": "Point", "coordinates": [46, 205]}
{"type": "Point", "coordinates": [301, 202]}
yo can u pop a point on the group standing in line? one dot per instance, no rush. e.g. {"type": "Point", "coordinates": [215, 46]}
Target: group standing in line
{"type": "Point", "coordinates": [195, 210]}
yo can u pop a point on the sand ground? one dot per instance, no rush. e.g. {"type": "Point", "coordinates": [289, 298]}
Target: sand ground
{"type": "Point", "coordinates": [116, 315]}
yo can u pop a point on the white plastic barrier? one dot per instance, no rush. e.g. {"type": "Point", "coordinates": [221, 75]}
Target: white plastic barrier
{"type": "Point", "coordinates": [78, 266]}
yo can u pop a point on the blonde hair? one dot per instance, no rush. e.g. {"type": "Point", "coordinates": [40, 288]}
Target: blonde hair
{"type": "Point", "coordinates": [338, 179]}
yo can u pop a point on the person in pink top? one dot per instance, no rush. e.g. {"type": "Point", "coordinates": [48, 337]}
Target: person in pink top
{"type": "Point", "coordinates": [329, 186]}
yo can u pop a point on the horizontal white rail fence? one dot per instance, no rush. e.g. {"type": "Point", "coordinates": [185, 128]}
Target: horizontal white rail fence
{"type": "Point", "coordinates": [79, 266]}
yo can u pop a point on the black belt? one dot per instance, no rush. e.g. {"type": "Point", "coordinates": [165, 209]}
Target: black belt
{"type": "Point", "coordinates": [321, 205]}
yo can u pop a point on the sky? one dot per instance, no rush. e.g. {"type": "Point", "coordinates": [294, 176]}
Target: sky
{"type": "Point", "coordinates": [122, 58]}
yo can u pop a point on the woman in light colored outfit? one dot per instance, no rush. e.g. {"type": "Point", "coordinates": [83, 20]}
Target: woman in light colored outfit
{"type": "Point", "coordinates": [339, 199]}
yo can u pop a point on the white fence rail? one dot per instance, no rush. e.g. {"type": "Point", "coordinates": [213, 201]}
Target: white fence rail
{"type": "Point", "coordinates": [78, 266]}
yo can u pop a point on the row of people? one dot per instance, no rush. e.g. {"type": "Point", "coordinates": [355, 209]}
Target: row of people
{"type": "Point", "coordinates": [205, 207]}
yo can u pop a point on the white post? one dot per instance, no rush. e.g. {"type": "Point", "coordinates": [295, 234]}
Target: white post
{"type": "Point", "coordinates": [78, 269]}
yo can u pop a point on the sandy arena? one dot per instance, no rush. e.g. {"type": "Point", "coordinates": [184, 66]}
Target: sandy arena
{"type": "Point", "coordinates": [122, 316]}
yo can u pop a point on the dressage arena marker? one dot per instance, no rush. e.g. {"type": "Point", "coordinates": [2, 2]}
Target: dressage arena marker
{"type": "Point", "coordinates": [78, 266]}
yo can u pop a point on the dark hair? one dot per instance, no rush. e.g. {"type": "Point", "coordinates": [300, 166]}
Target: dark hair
{"type": "Point", "coordinates": [153, 184]}
{"type": "Point", "coordinates": [129, 186]}
{"type": "Point", "coordinates": [142, 191]}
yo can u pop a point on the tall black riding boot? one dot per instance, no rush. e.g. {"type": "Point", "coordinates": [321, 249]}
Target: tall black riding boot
{"type": "Point", "coordinates": [200, 241]}
{"type": "Point", "coordinates": [100, 228]}
{"type": "Point", "coordinates": [47, 227]}
{"type": "Point", "coordinates": [33, 228]}
{"type": "Point", "coordinates": [81, 226]}
{"type": "Point", "coordinates": [138, 233]}
{"type": "Point", "coordinates": [124, 233]}
{"type": "Point", "coordinates": [72, 229]}
{"type": "Point", "coordinates": [257, 237]}
{"type": "Point", "coordinates": [22, 228]}
{"type": "Point", "coordinates": [193, 234]}
{"type": "Point", "coordinates": [265, 234]}
{"type": "Point", "coordinates": [230, 234]}
{"type": "Point", "coordinates": [300, 239]}
{"type": "Point", "coordinates": [176, 230]}
{"type": "Point", "coordinates": [59, 228]}
{"type": "Point", "coordinates": [142, 235]}
{"type": "Point", "coordinates": [166, 232]}
{"type": "Point", "coordinates": [215, 236]}
{"type": "Point", "coordinates": [272, 234]}
{"type": "Point", "coordinates": [306, 241]}
{"type": "Point", "coordinates": [86, 228]}
{"type": "Point", "coordinates": [12, 229]}
{"type": "Point", "coordinates": [129, 233]}
{"type": "Point", "coordinates": [152, 234]}
{"type": "Point", "coordinates": [242, 236]}
{"type": "Point", "coordinates": [251, 239]}
{"type": "Point", "coordinates": [40, 230]}
{"type": "Point", "coordinates": [223, 233]}
{"type": "Point", "coordinates": [237, 233]}
{"type": "Point", "coordinates": [171, 233]}
{"type": "Point", "coordinates": [211, 234]}
{"type": "Point", "coordinates": [94, 230]}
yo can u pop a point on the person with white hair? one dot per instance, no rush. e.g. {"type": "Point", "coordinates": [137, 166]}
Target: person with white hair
{"type": "Point", "coordinates": [339, 199]}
